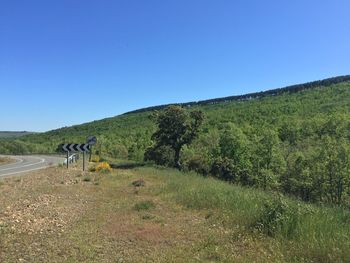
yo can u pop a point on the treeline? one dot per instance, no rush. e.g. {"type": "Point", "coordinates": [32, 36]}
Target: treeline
{"type": "Point", "coordinates": [124, 137]}
{"type": "Point", "coordinates": [256, 95]}
{"type": "Point", "coordinates": [309, 159]}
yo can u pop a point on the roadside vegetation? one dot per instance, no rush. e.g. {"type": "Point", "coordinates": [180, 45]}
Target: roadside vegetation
{"type": "Point", "coordinates": [297, 230]}
{"type": "Point", "coordinates": [172, 216]}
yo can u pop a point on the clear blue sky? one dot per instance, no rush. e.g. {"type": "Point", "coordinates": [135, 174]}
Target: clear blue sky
{"type": "Point", "coordinates": [65, 62]}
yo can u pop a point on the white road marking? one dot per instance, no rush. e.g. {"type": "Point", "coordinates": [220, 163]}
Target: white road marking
{"type": "Point", "coordinates": [19, 167]}
{"type": "Point", "coordinates": [27, 162]}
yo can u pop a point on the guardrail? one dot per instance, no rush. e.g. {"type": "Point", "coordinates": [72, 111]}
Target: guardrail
{"type": "Point", "coordinates": [72, 158]}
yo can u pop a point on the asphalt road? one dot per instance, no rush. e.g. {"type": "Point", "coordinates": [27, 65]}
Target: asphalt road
{"type": "Point", "coordinates": [26, 163]}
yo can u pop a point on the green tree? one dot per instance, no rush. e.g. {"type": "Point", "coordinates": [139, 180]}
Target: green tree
{"type": "Point", "coordinates": [234, 146]}
{"type": "Point", "coordinates": [267, 159]}
{"type": "Point", "coordinates": [333, 169]}
{"type": "Point", "coordinates": [176, 128]}
{"type": "Point", "coordinates": [200, 154]}
{"type": "Point", "coordinates": [289, 131]}
{"type": "Point", "coordinates": [298, 178]}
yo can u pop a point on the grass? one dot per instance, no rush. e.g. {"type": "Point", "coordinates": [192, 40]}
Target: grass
{"type": "Point", "coordinates": [175, 217]}
{"type": "Point", "coordinates": [87, 179]}
{"type": "Point", "coordinates": [144, 205]}
{"type": "Point", "coordinates": [305, 231]}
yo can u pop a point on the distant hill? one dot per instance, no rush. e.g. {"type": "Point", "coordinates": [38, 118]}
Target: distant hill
{"type": "Point", "coordinates": [256, 95]}
{"type": "Point", "coordinates": [294, 140]}
{"type": "Point", "coordinates": [14, 134]}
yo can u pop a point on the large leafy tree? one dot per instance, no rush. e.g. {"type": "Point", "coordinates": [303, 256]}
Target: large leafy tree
{"type": "Point", "coordinates": [176, 128]}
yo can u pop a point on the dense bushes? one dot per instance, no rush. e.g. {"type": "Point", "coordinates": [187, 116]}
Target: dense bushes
{"type": "Point", "coordinates": [198, 164]}
{"type": "Point", "coordinates": [223, 168]}
{"type": "Point", "coordinates": [314, 166]}
{"type": "Point", "coordinates": [161, 155]}
{"type": "Point", "coordinates": [119, 151]}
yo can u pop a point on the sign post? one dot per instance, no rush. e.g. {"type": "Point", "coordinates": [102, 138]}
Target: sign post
{"type": "Point", "coordinates": [75, 147]}
{"type": "Point", "coordinates": [83, 161]}
{"type": "Point", "coordinates": [91, 140]}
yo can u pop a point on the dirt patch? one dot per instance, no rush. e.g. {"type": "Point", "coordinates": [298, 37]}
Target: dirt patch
{"type": "Point", "coordinates": [156, 229]}
{"type": "Point", "coordinates": [6, 160]}
{"type": "Point", "coordinates": [151, 235]}
{"type": "Point", "coordinates": [38, 208]}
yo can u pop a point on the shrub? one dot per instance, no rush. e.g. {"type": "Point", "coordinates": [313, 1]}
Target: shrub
{"type": "Point", "coordinates": [279, 218]}
{"type": "Point", "coordinates": [161, 155]}
{"type": "Point", "coordinates": [119, 151]}
{"type": "Point", "coordinates": [103, 167]}
{"type": "Point", "coordinates": [87, 179]}
{"type": "Point", "coordinates": [223, 169]}
{"type": "Point", "coordinates": [103, 159]}
{"type": "Point", "coordinates": [198, 164]}
{"type": "Point", "coordinates": [95, 158]}
{"type": "Point", "coordinates": [144, 205]}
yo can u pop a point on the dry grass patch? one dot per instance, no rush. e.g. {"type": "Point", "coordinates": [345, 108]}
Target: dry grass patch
{"type": "Point", "coordinates": [6, 160]}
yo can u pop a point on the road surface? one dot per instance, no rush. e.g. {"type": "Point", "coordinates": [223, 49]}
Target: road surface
{"type": "Point", "coordinates": [25, 164]}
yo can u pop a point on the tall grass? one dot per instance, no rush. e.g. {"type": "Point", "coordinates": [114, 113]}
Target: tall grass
{"type": "Point", "coordinates": [304, 230]}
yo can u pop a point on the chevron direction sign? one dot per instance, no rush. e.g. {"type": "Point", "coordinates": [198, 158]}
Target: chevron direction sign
{"type": "Point", "coordinates": [75, 147]}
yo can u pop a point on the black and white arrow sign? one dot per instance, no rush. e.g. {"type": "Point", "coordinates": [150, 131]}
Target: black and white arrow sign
{"type": "Point", "coordinates": [75, 147]}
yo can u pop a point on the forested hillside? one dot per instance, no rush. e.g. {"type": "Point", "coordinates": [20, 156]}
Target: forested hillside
{"type": "Point", "coordinates": [13, 134]}
{"type": "Point", "coordinates": [297, 142]}
{"type": "Point", "coordinates": [257, 95]}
